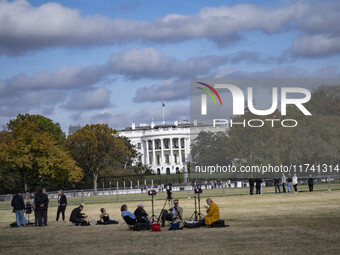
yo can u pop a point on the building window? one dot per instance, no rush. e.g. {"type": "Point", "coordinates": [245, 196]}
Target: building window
{"type": "Point", "coordinates": [167, 170]}
{"type": "Point", "coordinates": [158, 171]}
{"type": "Point", "coordinates": [166, 143]}
{"type": "Point", "coordinates": [167, 158]}
{"type": "Point", "coordinates": [175, 156]}
{"type": "Point", "coordinates": [158, 160]}
{"type": "Point", "coordinates": [177, 170]}
{"type": "Point", "coordinates": [139, 146]}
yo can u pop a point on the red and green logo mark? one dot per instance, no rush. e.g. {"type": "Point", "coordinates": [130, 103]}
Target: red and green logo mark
{"type": "Point", "coordinates": [209, 93]}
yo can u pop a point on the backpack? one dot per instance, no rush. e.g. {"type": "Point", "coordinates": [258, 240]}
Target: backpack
{"type": "Point", "coordinates": [218, 224]}
{"type": "Point", "coordinates": [175, 226]}
{"type": "Point", "coordinates": [156, 227]}
{"type": "Point", "coordinates": [141, 226]}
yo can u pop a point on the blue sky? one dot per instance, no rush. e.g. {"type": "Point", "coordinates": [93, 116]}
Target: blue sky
{"type": "Point", "coordinates": [114, 61]}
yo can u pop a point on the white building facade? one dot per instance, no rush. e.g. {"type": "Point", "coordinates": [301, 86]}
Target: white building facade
{"type": "Point", "coordinates": [165, 149]}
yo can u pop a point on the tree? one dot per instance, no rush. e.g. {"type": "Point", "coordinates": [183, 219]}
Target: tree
{"type": "Point", "coordinates": [30, 153]}
{"type": "Point", "coordinates": [43, 125]}
{"type": "Point", "coordinates": [96, 148]}
{"type": "Point", "coordinates": [250, 144]}
{"type": "Point", "coordinates": [134, 156]}
{"type": "Point", "coordinates": [209, 149]}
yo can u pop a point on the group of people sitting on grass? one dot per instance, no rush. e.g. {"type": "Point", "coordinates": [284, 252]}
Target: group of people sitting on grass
{"type": "Point", "coordinates": [141, 216]}
{"type": "Point", "coordinates": [79, 218]}
{"type": "Point", "coordinates": [172, 215]}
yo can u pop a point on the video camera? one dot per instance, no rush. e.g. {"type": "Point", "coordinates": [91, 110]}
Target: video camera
{"type": "Point", "coordinates": [28, 207]}
{"type": "Point", "coordinates": [168, 188]}
{"type": "Point", "coordinates": [152, 192]}
{"type": "Point", "coordinates": [198, 190]}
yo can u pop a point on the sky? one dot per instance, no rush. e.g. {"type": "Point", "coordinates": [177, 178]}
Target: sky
{"type": "Point", "coordinates": [114, 61]}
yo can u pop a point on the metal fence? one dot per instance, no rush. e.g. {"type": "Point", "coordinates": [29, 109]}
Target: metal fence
{"type": "Point", "coordinates": [137, 190]}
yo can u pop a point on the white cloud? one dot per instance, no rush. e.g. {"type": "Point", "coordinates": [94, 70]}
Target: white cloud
{"type": "Point", "coordinates": [65, 77]}
{"type": "Point", "coordinates": [171, 89]}
{"type": "Point", "coordinates": [316, 45]}
{"type": "Point", "coordinates": [25, 27]}
{"type": "Point", "coordinates": [91, 99]}
{"type": "Point", "coordinates": [151, 63]}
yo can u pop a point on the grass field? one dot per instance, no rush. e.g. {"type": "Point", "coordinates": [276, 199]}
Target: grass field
{"type": "Point", "coordinates": [301, 223]}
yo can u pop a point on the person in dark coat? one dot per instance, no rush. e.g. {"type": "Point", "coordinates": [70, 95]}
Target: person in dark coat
{"type": "Point", "coordinates": [258, 183]}
{"type": "Point", "coordinates": [18, 208]}
{"type": "Point", "coordinates": [141, 214]}
{"type": "Point", "coordinates": [251, 185]}
{"type": "Point", "coordinates": [41, 203]}
{"type": "Point", "coordinates": [77, 217]}
{"type": "Point", "coordinates": [62, 203]}
{"type": "Point", "coordinates": [310, 183]}
{"type": "Point", "coordinates": [277, 184]}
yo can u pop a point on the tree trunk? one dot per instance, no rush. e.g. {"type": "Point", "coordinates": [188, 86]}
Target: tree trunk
{"type": "Point", "coordinates": [95, 178]}
{"type": "Point", "coordinates": [26, 189]}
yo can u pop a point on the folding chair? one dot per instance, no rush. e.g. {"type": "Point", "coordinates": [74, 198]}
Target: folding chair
{"type": "Point", "coordinates": [130, 222]}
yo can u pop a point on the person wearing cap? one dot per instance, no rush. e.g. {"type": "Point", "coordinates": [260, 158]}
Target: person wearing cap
{"type": "Point", "coordinates": [77, 217]}
{"type": "Point", "coordinates": [141, 214]}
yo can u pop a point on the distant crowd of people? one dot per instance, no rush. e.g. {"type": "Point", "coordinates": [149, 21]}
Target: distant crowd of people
{"type": "Point", "coordinates": [289, 184]}
{"type": "Point", "coordinates": [214, 184]}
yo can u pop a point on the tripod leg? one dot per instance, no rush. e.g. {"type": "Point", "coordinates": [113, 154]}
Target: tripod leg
{"type": "Point", "coordinates": [161, 214]}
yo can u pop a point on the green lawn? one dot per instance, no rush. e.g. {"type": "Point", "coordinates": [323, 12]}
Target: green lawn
{"type": "Point", "coordinates": [301, 223]}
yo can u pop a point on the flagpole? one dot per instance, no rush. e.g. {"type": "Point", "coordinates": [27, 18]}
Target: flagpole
{"type": "Point", "coordinates": [163, 111]}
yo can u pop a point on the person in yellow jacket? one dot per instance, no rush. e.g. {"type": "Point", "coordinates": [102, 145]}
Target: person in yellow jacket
{"type": "Point", "coordinates": [213, 212]}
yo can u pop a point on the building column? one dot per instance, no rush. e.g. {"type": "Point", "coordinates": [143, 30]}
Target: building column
{"type": "Point", "coordinates": [171, 153]}
{"type": "Point", "coordinates": [147, 153]}
{"type": "Point", "coordinates": [185, 148]}
{"type": "Point", "coordinates": [142, 149]}
{"type": "Point", "coordinates": [179, 151]}
{"type": "Point", "coordinates": [153, 153]}
{"type": "Point", "coordinates": [162, 152]}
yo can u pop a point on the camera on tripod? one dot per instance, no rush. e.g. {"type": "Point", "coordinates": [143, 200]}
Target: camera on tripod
{"type": "Point", "coordinates": [168, 188]}
{"type": "Point", "coordinates": [152, 192]}
{"type": "Point", "coordinates": [198, 190]}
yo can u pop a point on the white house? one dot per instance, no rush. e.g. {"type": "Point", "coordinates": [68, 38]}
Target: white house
{"type": "Point", "coordinates": [165, 149]}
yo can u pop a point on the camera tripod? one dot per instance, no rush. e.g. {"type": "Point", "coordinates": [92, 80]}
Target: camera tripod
{"type": "Point", "coordinates": [170, 201]}
{"type": "Point", "coordinates": [153, 216]}
{"type": "Point", "coordinates": [198, 215]}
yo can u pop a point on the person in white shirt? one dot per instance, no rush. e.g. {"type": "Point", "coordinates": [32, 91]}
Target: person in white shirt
{"type": "Point", "coordinates": [295, 182]}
